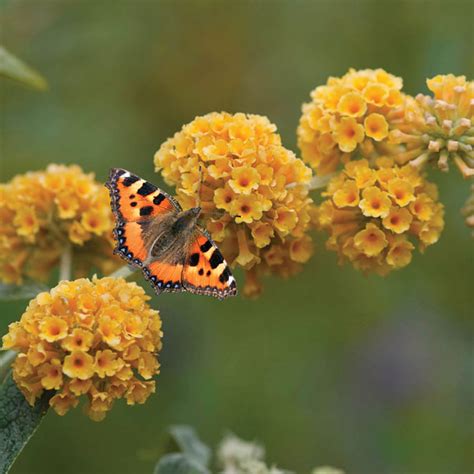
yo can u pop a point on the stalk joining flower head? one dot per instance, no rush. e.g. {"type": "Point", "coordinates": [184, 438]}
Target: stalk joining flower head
{"type": "Point", "coordinates": [42, 213]}
{"type": "Point", "coordinates": [375, 216]}
{"type": "Point", "coordinates": [96, 338]}
{"type": "Point", "coordinates": [252, 190]}
{"type": "Point", "coordinates": [440, 129]}
{"type": "Point", "coordinates": [350, 117]}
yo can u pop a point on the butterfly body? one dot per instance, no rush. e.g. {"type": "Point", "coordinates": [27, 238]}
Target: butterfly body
{"type": "Point", "coordinates": [174, 252]}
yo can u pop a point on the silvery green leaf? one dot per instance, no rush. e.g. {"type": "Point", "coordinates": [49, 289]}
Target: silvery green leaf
{"type": "Point", "coordinates": [178, 463]}
{"type": "Point", "coordinates": [189, 443]}
{"type": "Point", "coordinates": [18, 421]}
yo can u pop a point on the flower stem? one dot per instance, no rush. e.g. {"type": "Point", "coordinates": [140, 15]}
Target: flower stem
{"type": "Point", "coordinates": [123, 272]}
{"type": "Point", "coordinates": [320, 182]}
{"type": "Point", "coordinates": [65, 264]}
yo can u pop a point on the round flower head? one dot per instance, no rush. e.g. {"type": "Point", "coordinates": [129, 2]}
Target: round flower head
{"type": "Point", "coordinates": [375, 216]}
{"type": "Point", "coordinates": [252, 190]}
{"type": "Point", "coordinates": [96, 338]}
{"type": "Point", "coordinates": [350, 117]}
{"type": "Point", "coordinates": [441, 128]}
{"type": "Point", "coordinates": [41, 213]}
{"type": "Point", "coordinates": [468, 210]}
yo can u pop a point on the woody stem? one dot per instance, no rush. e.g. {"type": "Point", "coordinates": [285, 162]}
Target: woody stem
{"type": "Point", "coordinates": [65, 264]}
{"type": "Point", "coordinates": [123, 272]}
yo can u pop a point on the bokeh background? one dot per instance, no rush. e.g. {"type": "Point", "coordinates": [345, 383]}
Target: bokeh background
{"type": "Point", "coordinates": [373, 375]}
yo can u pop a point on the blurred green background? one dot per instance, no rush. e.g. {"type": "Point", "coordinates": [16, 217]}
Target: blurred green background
{"type": "Point", "coordinates": [371, 375]}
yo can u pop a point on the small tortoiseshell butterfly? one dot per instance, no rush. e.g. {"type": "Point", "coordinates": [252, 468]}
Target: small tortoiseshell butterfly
{"type": "Point", "coordinates": [155, 234]}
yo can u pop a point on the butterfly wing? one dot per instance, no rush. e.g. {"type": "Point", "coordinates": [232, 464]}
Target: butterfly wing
{"type": "Point", "coordinates": [135, 202]}
{"type": "Point", "coordinates": [205, 272]}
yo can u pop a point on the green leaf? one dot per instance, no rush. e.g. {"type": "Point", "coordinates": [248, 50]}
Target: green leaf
{"type": "Point", "coordinates": [16, 69]}
{"type": "Point", "coordinates": [18, 421]}
{"type": "Point", "coordinates": [189, 443]}
{"type": "Point", "coordinates": [21, 292]}
{"type": "Point", "coordinates": [6, 360]}
{"type": "Point", "coordinates": [177, 463]}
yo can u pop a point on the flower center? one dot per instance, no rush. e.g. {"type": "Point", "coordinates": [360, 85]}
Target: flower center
{"type": "Point", "coordinates": [54, 330]}
{"type": "Point", "coordinates": [372, 237]}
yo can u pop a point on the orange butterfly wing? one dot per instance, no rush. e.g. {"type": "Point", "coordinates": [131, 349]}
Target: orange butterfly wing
{"type": "Point", "coordinates": [205, 272]}
{"type": "Point", "coordinates": [135, 201]}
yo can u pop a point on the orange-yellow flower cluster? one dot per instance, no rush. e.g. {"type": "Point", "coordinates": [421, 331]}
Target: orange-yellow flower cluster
{"type": "Point", "coordinates": [96, 338]}
{"type": "Point", "coordinates": [375, 215]}
{"type": "Point", "coordinates": [350, 117]}
{"type": "Point", "coordinates": [468, 210]}
{"type": "Point", "coordinates": [252, 190]}
{"type": "Point", "coordinates": [43, 212]}
{"type": "Point", "coordinates": [442, 130]}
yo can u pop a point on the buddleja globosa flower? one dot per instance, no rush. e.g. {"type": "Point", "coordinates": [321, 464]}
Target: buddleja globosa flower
{"type": "Point", "coordinates": [442, 129]}
{"type": "Point", "coordinates": [376, 216]}
{"type": "Point", "coordinates": [252, 190]}
{"type": "Point", "coordinates": [350, 117]}
{"type": "Point", "coordinates": [96, 338]}
{"type": "Point", "coordinates": [43, 212]}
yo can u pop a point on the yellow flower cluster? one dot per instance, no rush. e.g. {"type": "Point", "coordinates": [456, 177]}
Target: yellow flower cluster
{"type": "Point", "coordinates": [97, 338]}
{"type": "Point", "coordinates": [350, 117]}
{"type": "Point", "coordinates": [468, 210]}
{"type": "Point", "coordinates": [252, 190]}
{"type": "Point", "coordinates": [371, 213]}
{"type": "Point", "coordinates": [442, 130]}
{"type": "Point", "coordinates": [41, 213]}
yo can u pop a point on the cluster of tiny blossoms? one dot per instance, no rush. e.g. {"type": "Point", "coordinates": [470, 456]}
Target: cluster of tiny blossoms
{"type": "Point", "coordinates": [253, 191]}
{"type": "Point", "coordinates": [441, 128]}
{"type": "Point", "coordinates": [237, 456]}
{"type": "Point", "coordinates": [97, 338]}
{"type": "Point", "coordinates": [371, 213]}
{"type": "Point", "coordinates": [42, 213]}
{"type": "Point", "coordinates": [350, 117]}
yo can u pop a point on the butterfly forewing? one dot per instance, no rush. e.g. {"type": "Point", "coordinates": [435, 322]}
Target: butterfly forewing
{"type": "Point", "coordinates": [134, 202]}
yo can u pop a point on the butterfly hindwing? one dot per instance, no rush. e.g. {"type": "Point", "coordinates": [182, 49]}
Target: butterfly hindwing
{"type": "Point", "coordinates": [134, 202]}
{"type": "Point", "coordinates": [164, 276]}
{"type": "Point", "coordinates": [205, 271]}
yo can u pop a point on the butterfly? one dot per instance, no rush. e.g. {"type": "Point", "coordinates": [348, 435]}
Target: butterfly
{"type": "Point", "coordinates": [154, 233]}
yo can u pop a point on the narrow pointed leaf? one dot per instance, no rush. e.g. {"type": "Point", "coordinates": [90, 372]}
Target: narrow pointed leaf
{"type": "Point", "coordinates": [16, 69]}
